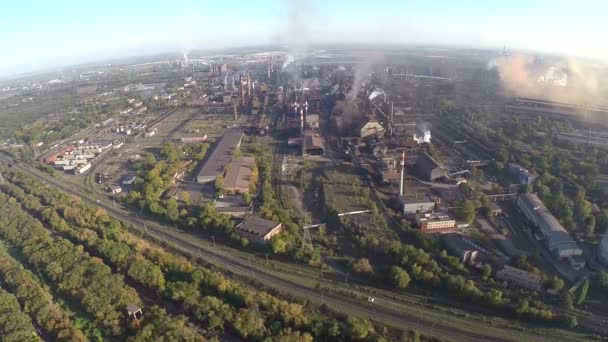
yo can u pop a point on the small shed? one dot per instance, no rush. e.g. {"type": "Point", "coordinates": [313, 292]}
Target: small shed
{"type": "Point", "coordinates": [134, 311]}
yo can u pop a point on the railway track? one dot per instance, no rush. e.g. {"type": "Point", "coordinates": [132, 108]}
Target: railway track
{"type": "Point", "coordinates": [248, 269]}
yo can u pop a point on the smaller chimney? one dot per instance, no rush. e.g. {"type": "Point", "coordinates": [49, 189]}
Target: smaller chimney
{"type": "Point", "coordinates": [402, 174]}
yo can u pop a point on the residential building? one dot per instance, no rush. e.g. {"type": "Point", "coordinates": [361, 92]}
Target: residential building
{"type": "Point", "coordinates": [258, 229]}
{"type": "Point", "coordinates": [520, 277]}
{"type": "Point", "coordinates": [556, 238]}
{"type": "Point", "coordinates": [220, 157]}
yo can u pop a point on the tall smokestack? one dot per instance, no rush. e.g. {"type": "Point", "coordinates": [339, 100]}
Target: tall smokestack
{"type": "Point", "coordinates": [242, 91]}
{"type": "Point", "coordinates": [392, 116]}
{"type": "Point", "coordinates": [302, 121]}
{"type": "Point", "coordinates": [248, 85]}
{"type": "Point", "coordinates": [402, 174]}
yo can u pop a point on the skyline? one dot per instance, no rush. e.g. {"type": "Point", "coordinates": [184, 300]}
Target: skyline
{"type": "Point", "coordinates": [66, 32]}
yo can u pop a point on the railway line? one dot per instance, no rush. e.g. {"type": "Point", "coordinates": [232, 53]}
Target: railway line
{"type": "Point", "coordinates": [185, 245]}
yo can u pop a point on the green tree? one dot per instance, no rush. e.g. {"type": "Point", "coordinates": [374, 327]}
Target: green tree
{"type": "Point", "coordinates": [486, 271]}
{"type": "Point", "coordinates": [467, 211]}
{"type": "Point", "coordinates": [555, 283]}
{"type": "Point", "coordinates": [219, 184]}
{"type": "Point", "coordinates": [582, 293]}
{"type": "Point", "coordinates": [278, 244]}
{"type": "Point", "coordinates": [567, 301]}
{"type": "Point", "coordinates": [400, 277]}
{"type": "Point", "coordinates": [172, 211]}
{"type": "Point", "coordinates": [602, 279]}
{"type": "Point", "coordinates": [185, 196]}
{"type": "Point", "coordinates": [358, 329]}
{"type": "Point", "coordinates": [247, 198]}
{"type": "Point", "coordinates": [362, 265]}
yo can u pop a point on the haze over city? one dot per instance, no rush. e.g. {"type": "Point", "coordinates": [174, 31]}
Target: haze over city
{"type": "Point", "coordinates": [43, 34]}
{"type": "Point", "coordinates": [302, 171]}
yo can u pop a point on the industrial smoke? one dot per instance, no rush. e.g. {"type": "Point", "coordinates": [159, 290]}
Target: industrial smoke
{"type": "Point", "coordinates": [566, 80]}
{"type": "Point", "coordinates": [424, 138]}
{"type": "Point", "coordinates": [376, 93]}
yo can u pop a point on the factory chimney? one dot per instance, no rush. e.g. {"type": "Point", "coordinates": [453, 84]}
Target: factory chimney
{"type": "Point", "coordinates": [248, 85]}
{"type": "Point", "coordinates": [392, 117]}
{"type": "Point", "coordinates": [302, 121]}
{"type": "Point", "coordinates": [402, 174]}
{"type": "Point", "coordinates": [242, 90]}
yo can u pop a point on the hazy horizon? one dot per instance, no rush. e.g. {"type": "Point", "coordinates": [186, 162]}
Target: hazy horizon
{"type": "Point", "coordinates": [63, 33]}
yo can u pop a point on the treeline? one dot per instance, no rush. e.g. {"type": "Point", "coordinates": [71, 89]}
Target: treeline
{"type": "Point", "coordinates": [402, 264]}
{"type": "Point", "coordinates": [207, 296]}
{"type": "Point", "coordinates": [74, 273]}
{"type": "Point", "coordinates": [15, 326]}
{"type": "Point", "coordinates": [32, 295]}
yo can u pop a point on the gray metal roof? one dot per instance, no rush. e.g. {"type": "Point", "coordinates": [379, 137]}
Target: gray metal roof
{"type": "Point", "coordinates": [221, 155]}
{"type": "Point", "coordinates": [548, 224]}
{"type": "Point", "coordinates": [257, 226]}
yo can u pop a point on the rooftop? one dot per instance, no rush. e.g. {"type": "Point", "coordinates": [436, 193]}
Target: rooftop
{"type": "Point", "coordinates": [239, 173]}
{"type": "Point", "coordinates": [221, 155]}
{"type": "Point", "coordinates": [257, 225]}
{"type": "Point", "coordinates": [426, 161]}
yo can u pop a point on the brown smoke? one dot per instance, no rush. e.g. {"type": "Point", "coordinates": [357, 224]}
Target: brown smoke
{"type": "Point", "coordinates": [525, 76]}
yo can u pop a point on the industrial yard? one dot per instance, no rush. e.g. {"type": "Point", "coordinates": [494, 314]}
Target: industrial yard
{"type": "Point", "coordinates": [362, 171]}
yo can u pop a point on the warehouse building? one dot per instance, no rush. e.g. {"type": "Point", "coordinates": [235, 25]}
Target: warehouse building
{"type": "Point", "coordinates": [462, 249]}
{"type": "Point", "coordinates": [258, 229]}
{"type": "Point", "coordinates": [520, 173]}
{"type": "Point", "coordinates": [428, 168]}
{"type": "Point", "coordinates": [238, 176]}
{"type": "Point", "coordinates": [221, 156]}
{"type": "Point", "coordinates": [556, 238]}
{"type": "Point", "coordinates": [417, 204]}
{"type": "Point", "coordinates": [520, 277]}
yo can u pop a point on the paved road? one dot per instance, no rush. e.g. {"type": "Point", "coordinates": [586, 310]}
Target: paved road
{"type": "Point", "coordinates": [245, 268]}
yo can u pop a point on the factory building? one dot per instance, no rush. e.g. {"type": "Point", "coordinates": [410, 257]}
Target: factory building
{"type": "Point", "coordinates": [556, 238]}
{"type": "Point", "coordinates": [520, 277]}
{"type": "Point", "coordinates": [221, 156]}
{"type": "Point", "coordinates": [417, 204]}
{"type": "Point", "coordinates": [312, 121]}
{"type": "Point", "coordinates": [313, 145]}
{"type": "Point", "coordinates": [435, 222]}
{"type": "Point", "coordinates": [520, 173]}
{"type": "Point", "coordinates": [371, 129]}
{"type": "Point", "coordinates": [238, 176]}
{"type": "Point", "coordinates": [462, 249]}
{"type": "Point", "coordinates": [428, 168]}
{"type": "Point", "coordinates": [258, 229]}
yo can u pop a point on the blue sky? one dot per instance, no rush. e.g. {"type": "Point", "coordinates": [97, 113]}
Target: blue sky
{"type": "Point", "coordinates": [37, 34]}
